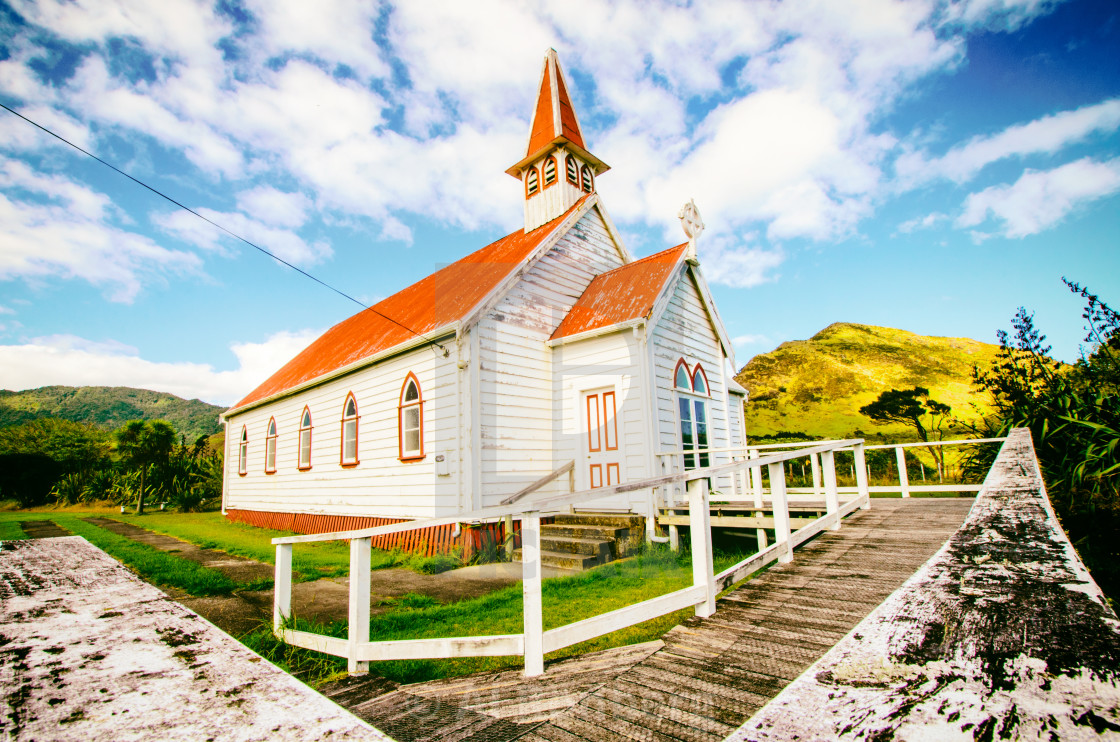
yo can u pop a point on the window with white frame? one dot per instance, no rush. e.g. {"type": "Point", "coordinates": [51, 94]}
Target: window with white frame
{"type": "Point", "coordinates": [411, 420]}
{"type": "Point", "coordinates": [305, 439]}
{"type": "Point", "coordinates": [349, 454]}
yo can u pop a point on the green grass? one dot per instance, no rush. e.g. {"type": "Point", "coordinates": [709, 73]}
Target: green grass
{"type": "Point", "coordinates": [10, 530]}
{"type": "Point", "coordinates": [566, 600]}
{"type": "Point", "coordinates": [155, 566]}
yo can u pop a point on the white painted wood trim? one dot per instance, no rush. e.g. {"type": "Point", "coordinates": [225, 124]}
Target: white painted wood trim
{"type": "Point", "coordinates": [358, 622]}
{"type": "Point", "coordinates": [317, 642]}
{"type": "Point", "coordinates": [282, 587]}
{"type": "Point", "coordinates": [499, 645]}
{"type": "Point", "coordinates": [597, 332]}
{"type": "Point", "coordinates": [532, 604]}
{"type": "Point", "coordinates": [589, 628]}
{"type": "Point", "coordinates": [713, 313]}
{"type": "Point", "coordinates": [700, 530]}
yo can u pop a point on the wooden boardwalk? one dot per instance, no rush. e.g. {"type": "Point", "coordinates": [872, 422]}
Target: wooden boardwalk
{"type": "Point", "coordinates": [708, 676]}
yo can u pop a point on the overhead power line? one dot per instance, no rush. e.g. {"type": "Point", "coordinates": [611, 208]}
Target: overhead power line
{"type": "Point", "coordinates": [213, 223]}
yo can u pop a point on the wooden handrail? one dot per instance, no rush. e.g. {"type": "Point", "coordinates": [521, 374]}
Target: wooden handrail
{"type": "Point", "coordinates": [570, 466]}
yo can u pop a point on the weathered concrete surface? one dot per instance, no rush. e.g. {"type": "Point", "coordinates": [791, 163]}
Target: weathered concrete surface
{"type": "Point", "coordinates": [1002, 635]}
{"type": "Point", "coordinates": [42, 529]}
{"type": "Point", "coordinates": [90, 652]}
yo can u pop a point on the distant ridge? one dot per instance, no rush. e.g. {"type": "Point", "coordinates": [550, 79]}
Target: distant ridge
{"type": "Point", "coordinates": [109, 407]}
{"type": "Point", "coordinates": [817, 386]}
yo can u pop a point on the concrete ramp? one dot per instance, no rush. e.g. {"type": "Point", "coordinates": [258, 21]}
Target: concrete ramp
{"type": "Point", "coordinates": [90, 652]}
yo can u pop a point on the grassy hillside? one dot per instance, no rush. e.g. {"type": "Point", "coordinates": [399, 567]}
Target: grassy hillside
{"type": "Point", "coordinates": [818, 385]}
{"type": "Point", "coordinates": [109, 407]}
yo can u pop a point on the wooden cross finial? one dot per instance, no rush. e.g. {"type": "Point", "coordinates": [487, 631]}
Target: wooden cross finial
{"type": "Point", "coordinates": [692, 225]}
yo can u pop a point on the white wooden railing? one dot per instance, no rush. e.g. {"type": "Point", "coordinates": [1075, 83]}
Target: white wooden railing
{"type": "Point", "coordinates": [534, 642]}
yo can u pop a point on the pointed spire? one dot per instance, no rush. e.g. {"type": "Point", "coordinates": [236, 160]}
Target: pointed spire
{"type": "Point", "coordinates": [554, 121]}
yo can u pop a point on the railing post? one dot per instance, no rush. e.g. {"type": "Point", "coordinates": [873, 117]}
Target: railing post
{"type": "Point", "coordinates": [815, 462]}
{"type": "Point", "coordinates": [700, 529]}
{"type": "Point", "coordinates": [531, 593]}
{"type": "Point", "coordinates": [507, 528]}
{"type": "Point", "coordinates": [781, 511]}
{"type": "Point", "coordinates": [358, 629]}
{"type": "Point", "coordinates": [282, 587]}
{"type": "Point", "coordinates": [903, 475]}
{"type": "Point", "coordinates": [831, 497]}
{"type": "Point", "coordinates": [862, 475]}
{"type": "Point", "coordinates": [671, 489]}
{"type": "Point", "coordinates": [756, 481]}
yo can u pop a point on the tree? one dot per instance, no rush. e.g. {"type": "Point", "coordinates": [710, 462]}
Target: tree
{"type": "Point", "coordinates": [912, 407]}
{"type": "Point", "coordinates": [74, 446]}
{"type": "Point", "coordinates": [144, 443]}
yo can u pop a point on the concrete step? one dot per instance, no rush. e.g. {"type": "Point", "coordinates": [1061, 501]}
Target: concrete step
{"type": "Point", "coordinates": [588, 546]}
{"type": "Point", "coordinates": [618, 520]}
{"type": "Point", "coordinates": [573, 530]}
{"type": "Point", "coordinates": [562, 560]}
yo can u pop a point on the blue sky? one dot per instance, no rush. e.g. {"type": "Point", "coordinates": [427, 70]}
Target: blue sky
{"type": "Point", "coordinates": [930, 166]}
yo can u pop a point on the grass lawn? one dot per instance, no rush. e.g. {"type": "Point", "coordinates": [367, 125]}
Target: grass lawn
{"type": "Point", "coordinates": [155, 566]}
{"type": "Point", "coordinates": [566, 600]}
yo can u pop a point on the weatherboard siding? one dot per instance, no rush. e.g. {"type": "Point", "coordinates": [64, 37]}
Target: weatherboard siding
{"type": "Point", "coordinates": [518, 429]}
{"type": "Point", "coordinates": [685, 330]}
{"type": "Point", "coordinates": [380, 485]}
{"type": "Point", "coordinates": [606, 361]}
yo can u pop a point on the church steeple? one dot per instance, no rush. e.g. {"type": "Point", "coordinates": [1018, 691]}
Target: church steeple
{"type": "Point", "coordinates": [557, 168]}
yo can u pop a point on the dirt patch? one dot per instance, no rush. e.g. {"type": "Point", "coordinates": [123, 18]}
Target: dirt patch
{"type": "Point", "coordinates": [238, 569]}
{"type": "Point", "coordinates": [42, 529]}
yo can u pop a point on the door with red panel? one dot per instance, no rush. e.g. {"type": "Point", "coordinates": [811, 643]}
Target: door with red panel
{"type": "Point", "coordinates": [603, 457]}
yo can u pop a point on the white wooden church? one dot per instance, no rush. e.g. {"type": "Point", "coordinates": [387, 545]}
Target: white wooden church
{"type": "Point", "coordinates": [552, 344]}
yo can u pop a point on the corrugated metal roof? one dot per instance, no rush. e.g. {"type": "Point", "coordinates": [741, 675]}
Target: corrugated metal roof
{"type": "Point", "coordinates": [547, 126]}
{"type": "Point", "coordinates": [623, 294]}
{"type": "Point", "coordinates": [434, 302]}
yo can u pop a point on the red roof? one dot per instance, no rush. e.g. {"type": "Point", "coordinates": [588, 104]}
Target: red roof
{"type": "Point", "coordinates": [546, 129]}
{"type": "Point", "coordinates": [623, 294]}
{"type": "Point", "coordinates": [434, 302]}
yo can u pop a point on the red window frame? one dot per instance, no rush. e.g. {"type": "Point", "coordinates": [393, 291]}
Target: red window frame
{"type": "Point", "coordinates": [346, 419]}
{"type": "Point", "coordinates": [304, 429]}
{"type": "Point", "coordinates": [270, 436]}
{"type": "Point", "coordinates": [687, 376]}
{"type": "Point", "coordinates": [418, 403]}
{"type": "Point", "coordinates": [699, 371]}
{"type": "Point", "coordinates": [532, 182]}
{"type": "Point", "coordinates": [544, 173]}
{"type": "Point", "coordinates": [243, 453]}
{"type": "Point", "coordinates": [587, 181]}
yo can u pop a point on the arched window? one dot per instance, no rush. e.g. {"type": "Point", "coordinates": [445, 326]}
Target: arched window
{"type": "Point", "coordinates": [700, 382]}
{"type": "Point", "coordinates": [532, 182]}
{"type": "Point", "coordinates": [549, 171]}
{"type": "Point", "coordinates": [270, 447]}
{"type": "Point", "coordinates": [349, 455]}
{"type": "Point", "coordinates": [693, 414]}
{"type": "Point", "coordinates": [243, 453]}
{"type": "Point", "coordinates": [305, 439]}
{"type": "Point", "coordinates": [411, 420]}
{"type": "Point", "coordinates": [573, 170]}
{"type": "Point", "coordinates": [681, 377]}
{"type": "Point", "coordinates": [585, 176]}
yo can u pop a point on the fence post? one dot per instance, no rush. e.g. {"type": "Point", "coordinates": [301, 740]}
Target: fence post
{"type": "Point", "coordinates": [756, 477]}
{"type": "Point", "coordinates": [816, 475]}
{"type": "Point", "coordinates": [903, 475]}
{"type": "Point", "coordinates": [780, 505]}
{"type": "Point", "coordinates": [531, 593]}
{"type": "Point", "coordinates": [700, 529]}
{"type": "Point", "coordinates": [831, 497]}
{"type": "Point", "coordinates": [282, 587]}
{"type": "Point", "coordinates": [507, 529]}
{"type": "Point", "coordinates": [671, 490]}
{"type": "Point", "coordinates": [862, 475]}
{"type": "Point", "coordinates": [358, 630]}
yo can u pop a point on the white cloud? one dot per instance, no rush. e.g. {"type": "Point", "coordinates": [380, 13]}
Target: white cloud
{"type": "Point", "coordinates": [1046, 135]}
{"type": "Point", "coordinates": [274, 207]}
{"type": "Point", "coordinates": [75, 361]}
{"type": "Point", "coordinates": [283, 243]}
{"type": "Point", "coordinates": [1040, 199]}
{"type": "Point", "coordinates": [742, 341]}
{"type": "Point", "coordinates": [1007, 15]}
{"type": "Point", "coordinates": [68, 236]}
{"type": "Point", "coordinates": [732, 264]}
{"type": "Point", "coordinates": [921, 222]}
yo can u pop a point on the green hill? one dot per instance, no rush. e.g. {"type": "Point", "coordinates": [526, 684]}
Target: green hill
{"type": "Point", "coordinates": [109, 407]}
{"type": "Point", "coordinates": [817, 386]}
